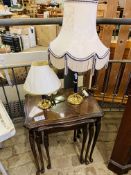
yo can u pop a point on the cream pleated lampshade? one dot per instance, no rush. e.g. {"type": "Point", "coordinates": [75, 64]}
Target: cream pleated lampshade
{"type": "Point", "coordinates": [41, 80]}
{"type": "Point", "coordinates": [78, 46]}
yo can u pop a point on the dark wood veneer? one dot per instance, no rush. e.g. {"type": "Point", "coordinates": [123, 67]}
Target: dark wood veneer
{"type": "Point", "coordinates": [120, 161]}
{"type": "Point", "coordinates": [61, 117]}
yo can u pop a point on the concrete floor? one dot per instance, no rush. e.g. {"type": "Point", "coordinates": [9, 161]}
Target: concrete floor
{"type": "Point", "coordinates": [17, 157]}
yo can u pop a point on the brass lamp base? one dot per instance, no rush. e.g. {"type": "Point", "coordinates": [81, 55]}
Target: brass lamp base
{"type": "Point", "coordinates": [75, 99]}
{"type": "Point", "coordinates": [44, 104]}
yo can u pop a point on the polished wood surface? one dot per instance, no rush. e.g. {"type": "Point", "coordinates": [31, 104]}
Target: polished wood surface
{"type": "Point", "coordinates": [62, 117]}
{"type": "Point", "coordinates": [62, 112]}
{"type": "Point", "coordinates": [120, 161]}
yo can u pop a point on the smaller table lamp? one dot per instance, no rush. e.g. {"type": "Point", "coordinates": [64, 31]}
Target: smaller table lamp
{"type": "Point", "coordinates": [42, 80]}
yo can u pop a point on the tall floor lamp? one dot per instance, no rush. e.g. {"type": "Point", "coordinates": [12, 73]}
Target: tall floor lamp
{"type": "Point", "coordinates": [78, 47]}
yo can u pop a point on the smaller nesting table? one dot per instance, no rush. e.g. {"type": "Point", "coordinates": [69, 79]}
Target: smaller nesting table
{"type": "Point", "coordinates": [62, 117]}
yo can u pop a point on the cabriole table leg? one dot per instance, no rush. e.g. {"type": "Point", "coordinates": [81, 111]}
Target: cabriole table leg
{"type": "Point", "coordinates": [84, 130]}
{"type": "Point", "coordinates": [91, 133]}
{"type": "Point", "coordinates": [74, 138]}
{"type": "Point", "coordinates": [46, 144]}
{"type": "Point", "coordinates": [38, 142]}
{"type": "Point", "coordinates": [97, 130]}
{"type": "Point", "coordinates": [32, 144]}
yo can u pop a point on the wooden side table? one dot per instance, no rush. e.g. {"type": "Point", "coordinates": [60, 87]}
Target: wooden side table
{"type": "Point", "coordinates": [62, 117]}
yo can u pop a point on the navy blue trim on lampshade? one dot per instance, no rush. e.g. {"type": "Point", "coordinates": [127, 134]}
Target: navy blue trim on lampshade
{"type": "Point", "coordinates": [7, 2]}
{"type": "Point", "coordinates": [78, 59]}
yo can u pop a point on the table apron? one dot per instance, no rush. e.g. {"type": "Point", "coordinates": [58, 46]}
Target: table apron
{"type": "Point", "coordinates": [67, 126]}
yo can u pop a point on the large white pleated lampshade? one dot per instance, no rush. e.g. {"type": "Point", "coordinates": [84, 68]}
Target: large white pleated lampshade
{"type": "Point", "coordinates": [41, 80]}
{"type": "Point", "coordinates": [78, 46]}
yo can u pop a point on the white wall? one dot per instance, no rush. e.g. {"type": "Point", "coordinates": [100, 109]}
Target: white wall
{"type": "Point", "coordinates": [15, 59]}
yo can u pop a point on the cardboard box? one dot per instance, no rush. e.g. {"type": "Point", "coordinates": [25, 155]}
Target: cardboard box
{"type": "Point", "coordinates": [45, 34]}
{"type": "Point", "coordinates": [25, 41]}
{"type": "Point", "coordinates": [27, 34]}
{"type": "Point", "coordinates": [32, 37]}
